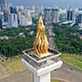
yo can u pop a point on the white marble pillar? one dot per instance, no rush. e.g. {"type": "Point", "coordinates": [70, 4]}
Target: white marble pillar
{"type": "Point", "coordinates": [42, 78]}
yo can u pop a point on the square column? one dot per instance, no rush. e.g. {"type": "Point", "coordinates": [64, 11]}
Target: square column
{"type": "Point", "coordinates": [42, 78]}
{"type": "Point", "coordinates": [42, 73]}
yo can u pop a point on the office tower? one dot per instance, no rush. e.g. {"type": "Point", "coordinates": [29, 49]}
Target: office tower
{"type": "Point", "coordinates": [29, 18]}
{"type": "Point", "coordinates": [41, 8]}
{"type": "Point", "coordinates": [1, 26]}
{"type": "Point", "coordinates": [47, 15]}
{"type": "Point", "coordinates": [79, 19]}
{"type": "Point", "coordinates": [12, 20]}
{"type": "Point", "coordinates": [55, 15]}
{"type": "Point", "coordinates": [2, 16]}
{"type": "Point", "coordinates": [26, 19]}
{"type": "Point", "coordinates": [33, 8]}
{"type": "Point", "coordinates": [6, 12]}
{"type": "Point", "coordinates": [21, 7]}
{"type": "Point", "coordinates": [13, 10]}
{"type": "Point", "coordinates": [69, 15]}
{"type": "Point", "coordinates": [18, 17]}
{"type": "Point", "coordinates": [2, 4]}
{"type": "Point", "coordinates": [0, 9]}
{"type": "Point", "coordinates": [21, 11]}
{"type": "Point", "coordinates": [23, 21]}
{"type": "Point", "coordinates": [63, 17]}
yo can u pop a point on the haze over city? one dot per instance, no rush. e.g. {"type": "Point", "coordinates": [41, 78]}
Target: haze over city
{"type": "Point", "coordinates": [51, 3]}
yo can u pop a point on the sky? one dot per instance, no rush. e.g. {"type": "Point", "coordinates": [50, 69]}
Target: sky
{"type": "Point", "coordinates": [51, 3]}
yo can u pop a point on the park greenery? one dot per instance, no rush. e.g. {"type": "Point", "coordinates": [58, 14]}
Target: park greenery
{"type": "Point", "coordinates": [16, 44]}
{"type": "Point", "coordinates": [67, 39]}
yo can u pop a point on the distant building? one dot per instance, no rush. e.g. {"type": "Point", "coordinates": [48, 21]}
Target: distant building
{"type": "Point", "coordinates": [55, 15]}
{"type": "Point", "coordinates": [33, 8]}
{"type": "Point", "coordinates": [79, 19]}
{"type": "Point", "coordinates": [2, 16]}
{"type": "Point", "coordinates": [21, 11]}
{"type": "Point", "coordinates": [25, 19]}
{"type": "Point", "coordinates": [12, 20]}
{"type": "Point", "coordinates": [1, 26]}
{"type": "Point", "coordinates": [70, 15]}
{"type": "Point", "coordinates": [29, 18]}
{"type": "Point", "coordinates": [63, 17]}
{"type": "Point", "coordinates": [31, 32]}
{"type": "Point", "coordinates": [21, 34]}
{"type": "Point", "coordinates": [47, 15]}
{"type": "Point", "coordinates": [2, 4]}
{"type": "Point", "coordinates": [21, 7]}
{"type": "Point", "coordinates": [4, 37]}
{"type": "Point", "coordinates": [6, 12]}
{"type": "Point", "coordinates": [61, 11]}
{"type": "Point", "coordinates": [18, 17]}
{"type": "Point", "coordinates": [13, 10]}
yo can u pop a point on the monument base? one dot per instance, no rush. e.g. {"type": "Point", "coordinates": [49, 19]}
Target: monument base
{"type": "Point", "coordinates": [42, 72]}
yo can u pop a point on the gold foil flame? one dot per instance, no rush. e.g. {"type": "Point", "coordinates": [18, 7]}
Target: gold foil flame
{"type": "Point", "coordinates": [40, 43]}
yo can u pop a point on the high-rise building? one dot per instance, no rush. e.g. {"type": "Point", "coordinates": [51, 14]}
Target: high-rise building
{"type": "Point", "coordinates": [55, 15]}
{"type": "Point", "coordinates": [2, 4]}
{"type": "Point", "coordinates": [25, 19]}
{"type": "Point", "coordinates": [21, 11]}
{"type": "Point", "coordinates": [47, 15]}
{"type": "Point", "coordinates": [6, 12]}
{"type": "Point", "coordinates": [21, 7]}
{"type": "Point", "coordinates": [63, 17]}
{"type": "Point", "coordinates": [18, 17]}
{"type": "Point", "coordinates": [70, 15]}
{"type": "Point", "coordinates": [79, 19]}
{"type": "Point", "coordinates": [13, 10]}
{"type": "Point", "coordinates": [1, 26]}
{"type": "Point", "coordinates": [12, 20]}
{"type": "Point", "coordinates": [33, 8]}
{"type": "Point", "coordinates": [2, 16]}
{"type": "Point", "coordinates": [27, 14]}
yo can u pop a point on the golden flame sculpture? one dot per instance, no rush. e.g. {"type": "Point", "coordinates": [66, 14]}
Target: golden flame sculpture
{"type": "Point", "coordinates": [41, 43]}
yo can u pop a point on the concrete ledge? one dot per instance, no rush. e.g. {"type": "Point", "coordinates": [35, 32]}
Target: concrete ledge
{"type": "Point", "coordinates": [44, 69]}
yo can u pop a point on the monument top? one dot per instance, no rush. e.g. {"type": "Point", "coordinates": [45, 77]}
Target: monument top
{"type": "Point", "coordinates": [41, 43]}
{"type": "Point", "coordinates": [41, 51]}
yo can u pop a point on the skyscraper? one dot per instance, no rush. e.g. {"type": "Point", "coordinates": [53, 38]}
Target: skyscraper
{"type": "Point", "coordinates": [63, 17]}
{"type": "Point", "coordinates": [6, 12]}
{"type": "Point", "coordinates": [12, 20]}
{"type": "Point", "coordinates": [2, 4]}
{"type": "Point", "coordinates": [69, 15]}
{"type": "Point", "coordinates": [47, 15]}
{"type": "Point", "coordinates": [25, 19]}
{"type": "Point", "coordinates": [0, 22]}
{"type": "Point", "coordinates": [13, 10]}
{"type": "Point", "coordinates": [79, 19]}
{"type": "Point", "coordinates": [55, 15]}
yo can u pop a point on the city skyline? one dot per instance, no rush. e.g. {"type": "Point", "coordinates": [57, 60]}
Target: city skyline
{"type": "Point", "coordinates": [63, 3]}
